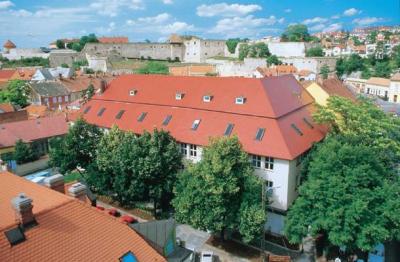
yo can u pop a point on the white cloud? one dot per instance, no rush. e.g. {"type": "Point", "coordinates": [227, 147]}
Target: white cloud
{"type": "Point", "coordinates": [317, 27]}
{"type": "Point", "coordinates": [228, 10]}
{"type": "Point", "coordinates": [104, 30]}
{"type": "Point", "coordinates": [168, 2]}
{"type": "Point", "coordinates": [5, 4]}
{"type": "Point", "coordinates": [335, 16]}
{"type": "Point", "coordinates": [248, 26]}
{"type": "Point", "coordinates": [315, 20]}
{"type": "Point", "coordinates": [367, 21]}
{"type": "Point", "coordinates": [332, 27]}
{"type": "Point", "coordinates": [163, 24]}
{"type": "Point", "coordinates": [288, 10]}
{"type": "Point", "coordinates": [113, 7]}
{"type": "Point", "coordinates": [351, 12]}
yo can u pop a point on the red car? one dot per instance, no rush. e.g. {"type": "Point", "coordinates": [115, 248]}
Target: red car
{"type": "Point", "coordinates": [114, 212]}
{"type": "Point", "coordinates": [100, 208]}
{"type": "Point", "coordinates": [128, 219]}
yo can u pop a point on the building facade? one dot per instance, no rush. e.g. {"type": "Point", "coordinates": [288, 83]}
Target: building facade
{"type": "Point", "coordinates": [271, 117]}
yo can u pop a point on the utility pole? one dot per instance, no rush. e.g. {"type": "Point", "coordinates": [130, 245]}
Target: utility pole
{"type": "Point", "coordinates": [263, 257]}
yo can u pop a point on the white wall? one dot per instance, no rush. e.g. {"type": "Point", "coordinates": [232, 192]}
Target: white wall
{"type": "Point", "coordinates": [18, 53]}
{"type": "Point", "coordinates": [394, 90]}
{"type": "Point", "coordinates": [235, 68]}
{"type": "Point", "coordinates": [376, 90]}
{"type": "Point", "coordinates": [287, 49]}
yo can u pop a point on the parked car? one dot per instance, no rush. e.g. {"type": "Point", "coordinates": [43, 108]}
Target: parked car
{"type": "Point", "coordinates": [207, 256]}
{"type": "Point", "coordinates": [114, 212]}
{"type": "Point", "coordinates": [100, 208]}
{"type": "Point", "coordinates": [129, 219]}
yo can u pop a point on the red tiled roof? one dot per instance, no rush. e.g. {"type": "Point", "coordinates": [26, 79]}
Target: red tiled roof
{"type": "Point", "coordinates": [9, 44]}
{"type": "Point", "coordinates": [273, 103]}
{"type": "Point", "coordinates": [67, 230]}
{"type": "Point", "coordinates": [6, 107]}
{"type": "Point", "coordinates": [113, 40]}
{"type": "Point", "coordinates": [6, 75]}
{"type": "Point", "coordinates": [30, 130]}
{"type": "Point", "coordinates": [82, 82]}
{"type": "Point", "coordinates": [334, 86]}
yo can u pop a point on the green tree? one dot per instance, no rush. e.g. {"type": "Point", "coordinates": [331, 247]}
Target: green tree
{"type": "Point", "coordinates": [356, 41]}
{"type": "Point", "coordinates": [23, 153]}
{"type": "Point", "coordinates": [64, 65]}
{"type": "Point", "coordinates": [396, 55]}
{"type": "Point", "coordinates": [315, 52]}
{"type": "Point", "coordinates": [273, 60]}
{"type": "Point", "coordinates": [351, 196]}
{"type": "Point", "coordinates": [371, 38]}
{"type": "Point", "coordinates": [296, 33]}
{"type": "Point", "coordinates": [382, 69]}
{"type": "Point", "coordinates": [154, 67]}
{"type": "Point", "coordinates": [16, 92]}
{"type": "Point", "coordinates": [77, 148]}
{"type": "Point", "coordinates": [60, 44]}
{"type": "Point", "coordinates": [244, 50]}
{"type": "Point", "coordinates": [69, 45]}
{"type": "Point", "coordinates": [88, 93]}
{"type": "Point", "coordinates": [232, 44]}
{"type": "Point", "coordinates": [325, 71]}
{"type": "Point", "coordinates": [76, 46]}
{"type": "Point", "coordinates": [210, 195]}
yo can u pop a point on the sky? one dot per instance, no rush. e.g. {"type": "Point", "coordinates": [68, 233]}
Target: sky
{"type": "Point", "coordinates": [35, 23]}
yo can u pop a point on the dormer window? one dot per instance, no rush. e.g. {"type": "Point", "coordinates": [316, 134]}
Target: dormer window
{"type": "Point", "coordinates": [240, 100]}
{"type": "Point", "coordinates": [179, 96]}
{"type": "Point", "coordinates": [207, 98]}
{"type": "Point", "coordinates": [133, 92]}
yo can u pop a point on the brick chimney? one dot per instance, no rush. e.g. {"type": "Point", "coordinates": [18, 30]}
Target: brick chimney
{"type": "Point", "coordinates": [55, 182]}
{"type": "Point", "coordinates": [78, 191]}
{"type": "Point", "coordinates": [23, 210]}
{"type": "Point", "coordinates": [103, 86]}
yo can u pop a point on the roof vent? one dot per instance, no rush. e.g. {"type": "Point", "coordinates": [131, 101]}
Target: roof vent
{"type": "Point", "coordinates": [240, 100]}
{"type": "Point", "coordinates": [260, 134]}
{"type": "Point", "coordinates": [23, 210]}
{"type": "Point", "coordinates": [298, 131]}
{"type": "Point", "coordinates": [179, 96]}
{"type": "Point", "coordinates": [78, 191]}
{"type": "Point", "coordinates": [207, 98]}
{"type": "Point", "coordinates": [133, 92]}
{"type": "Point", "coordinates": [55, 182]}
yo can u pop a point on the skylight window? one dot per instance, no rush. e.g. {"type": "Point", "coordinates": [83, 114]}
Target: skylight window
{"type": "Point", "coordinates": [179, 96]}
{"type": "Point", "coordinates": [240, 100]}
{"type": "Point", "coordinates": [196, 124]}
{"type": "Point", "coordinates": [101, 111]}
{"type": "Point", "coordinates": [128, 257]}
{"type": "Point", "coordinates": [308, 123]}
{"type": "Point", "coordinates": [207, 98]}
{"type": "Point", "coordinates": [298, 131]}
{"type": "Point", "coordinates": [229, 129]}
{"type": "Point", "coordinates": [132, 92]}
{"type": "Point", "coordinates": [166, 120]}
{"type": "Point", "coordinates": [260, 134]}
{"type": "Point", "coordinates": [142, 117]}
{"type": "Point", "coordinates": [87, 109]}
{"type": "Point", "coordinates": [119, 115]}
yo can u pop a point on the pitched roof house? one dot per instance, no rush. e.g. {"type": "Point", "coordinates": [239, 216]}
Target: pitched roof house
{"type": "Point", "coordinates": [5, 76]}
{"type": "Point", "coordinates": [45, 225]}
{"type": "Point", "coordinates": [270, 116]}
{"type": "Point", "coordinates": [51, 94]}
{"type": "Point", "coordinates": [49, 74]}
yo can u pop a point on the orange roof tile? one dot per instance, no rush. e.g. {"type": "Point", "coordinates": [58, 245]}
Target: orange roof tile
{"type": "Point", "coordinates": [395, 77]}
{"type": "Point", "coordinates": [6, 74]}
{"type": "Point", "coordinates": [272, 103]}
{"type": "Point", "coordinates": [334, 86]}
{"type": "Point", "coordinates": [113, 40]}
{"type": "Point", "coordinates": [6, 107]}
{"type": "Point", "coordinates": [379, 81]}
{"type": "Point", "coordinates": [67, 230]}
{"type": "Point", "coordinates": [81, 83]}
{"type": "Point", "coordinates": [24, 74]}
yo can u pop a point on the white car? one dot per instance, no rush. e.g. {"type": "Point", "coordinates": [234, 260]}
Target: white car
{"type": "Point", "coordinates": [207, 256]}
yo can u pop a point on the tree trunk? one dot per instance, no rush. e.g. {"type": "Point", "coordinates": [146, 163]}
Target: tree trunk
{"type": "Point", "coordinates": [222, 234]}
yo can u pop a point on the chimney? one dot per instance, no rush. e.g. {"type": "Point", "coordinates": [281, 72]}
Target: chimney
{"type": "Point", "coordinates": [103, 86]}
{"type": "Point", "coordinates": [56, 183]}
{"type": "Point", "coordinates": [78, 191]}
{"type": "Point", "coordinates": [23, 210]}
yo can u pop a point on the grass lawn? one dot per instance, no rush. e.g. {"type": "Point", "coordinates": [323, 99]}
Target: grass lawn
{"type": "Point", "coordinates": [70, 177]}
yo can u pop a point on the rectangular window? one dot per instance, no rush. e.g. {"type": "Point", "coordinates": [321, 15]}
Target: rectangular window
{"type": "Point", "coordinates": [142, 117]}
{"type": "Point", "coordinates": [46, 100]}
{"type": "Point", "coordinates": [59, 99]}
{"type": "Point", "coordinates": [195, 124]}
{"type": "Point", "coordinates": [87, 109]}
{"type": "Point", "coordinates": [166, 120]}
{"type": "Point", "coordinates": [269, 163]}
{"type": "Point", "coordinates": [193, 150]}
{"type": "Point", "coordinates": [54, 99]}
{"type": "Point", "coordinates": [66, 98]}
{"type": "Point", "coordinates": [119, 115]}
{"type": "Point", "coordinates": [269, 184]}
{"type": "Point", "coordinates": [256, 161]}
{"type": "Point", "coordinates": [184, 149]}
{"type": "Point", "coordinates": [101, 111]}
{"type": "Point", "coordinates": [260, 134]}
{"type": "Point", "coordinates": [229, 129]}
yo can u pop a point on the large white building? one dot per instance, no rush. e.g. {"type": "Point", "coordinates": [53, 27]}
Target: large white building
{"type": "Point", "coordinates": [271, 117]}
{"type": "Point", "coordinates": [197, 50]}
